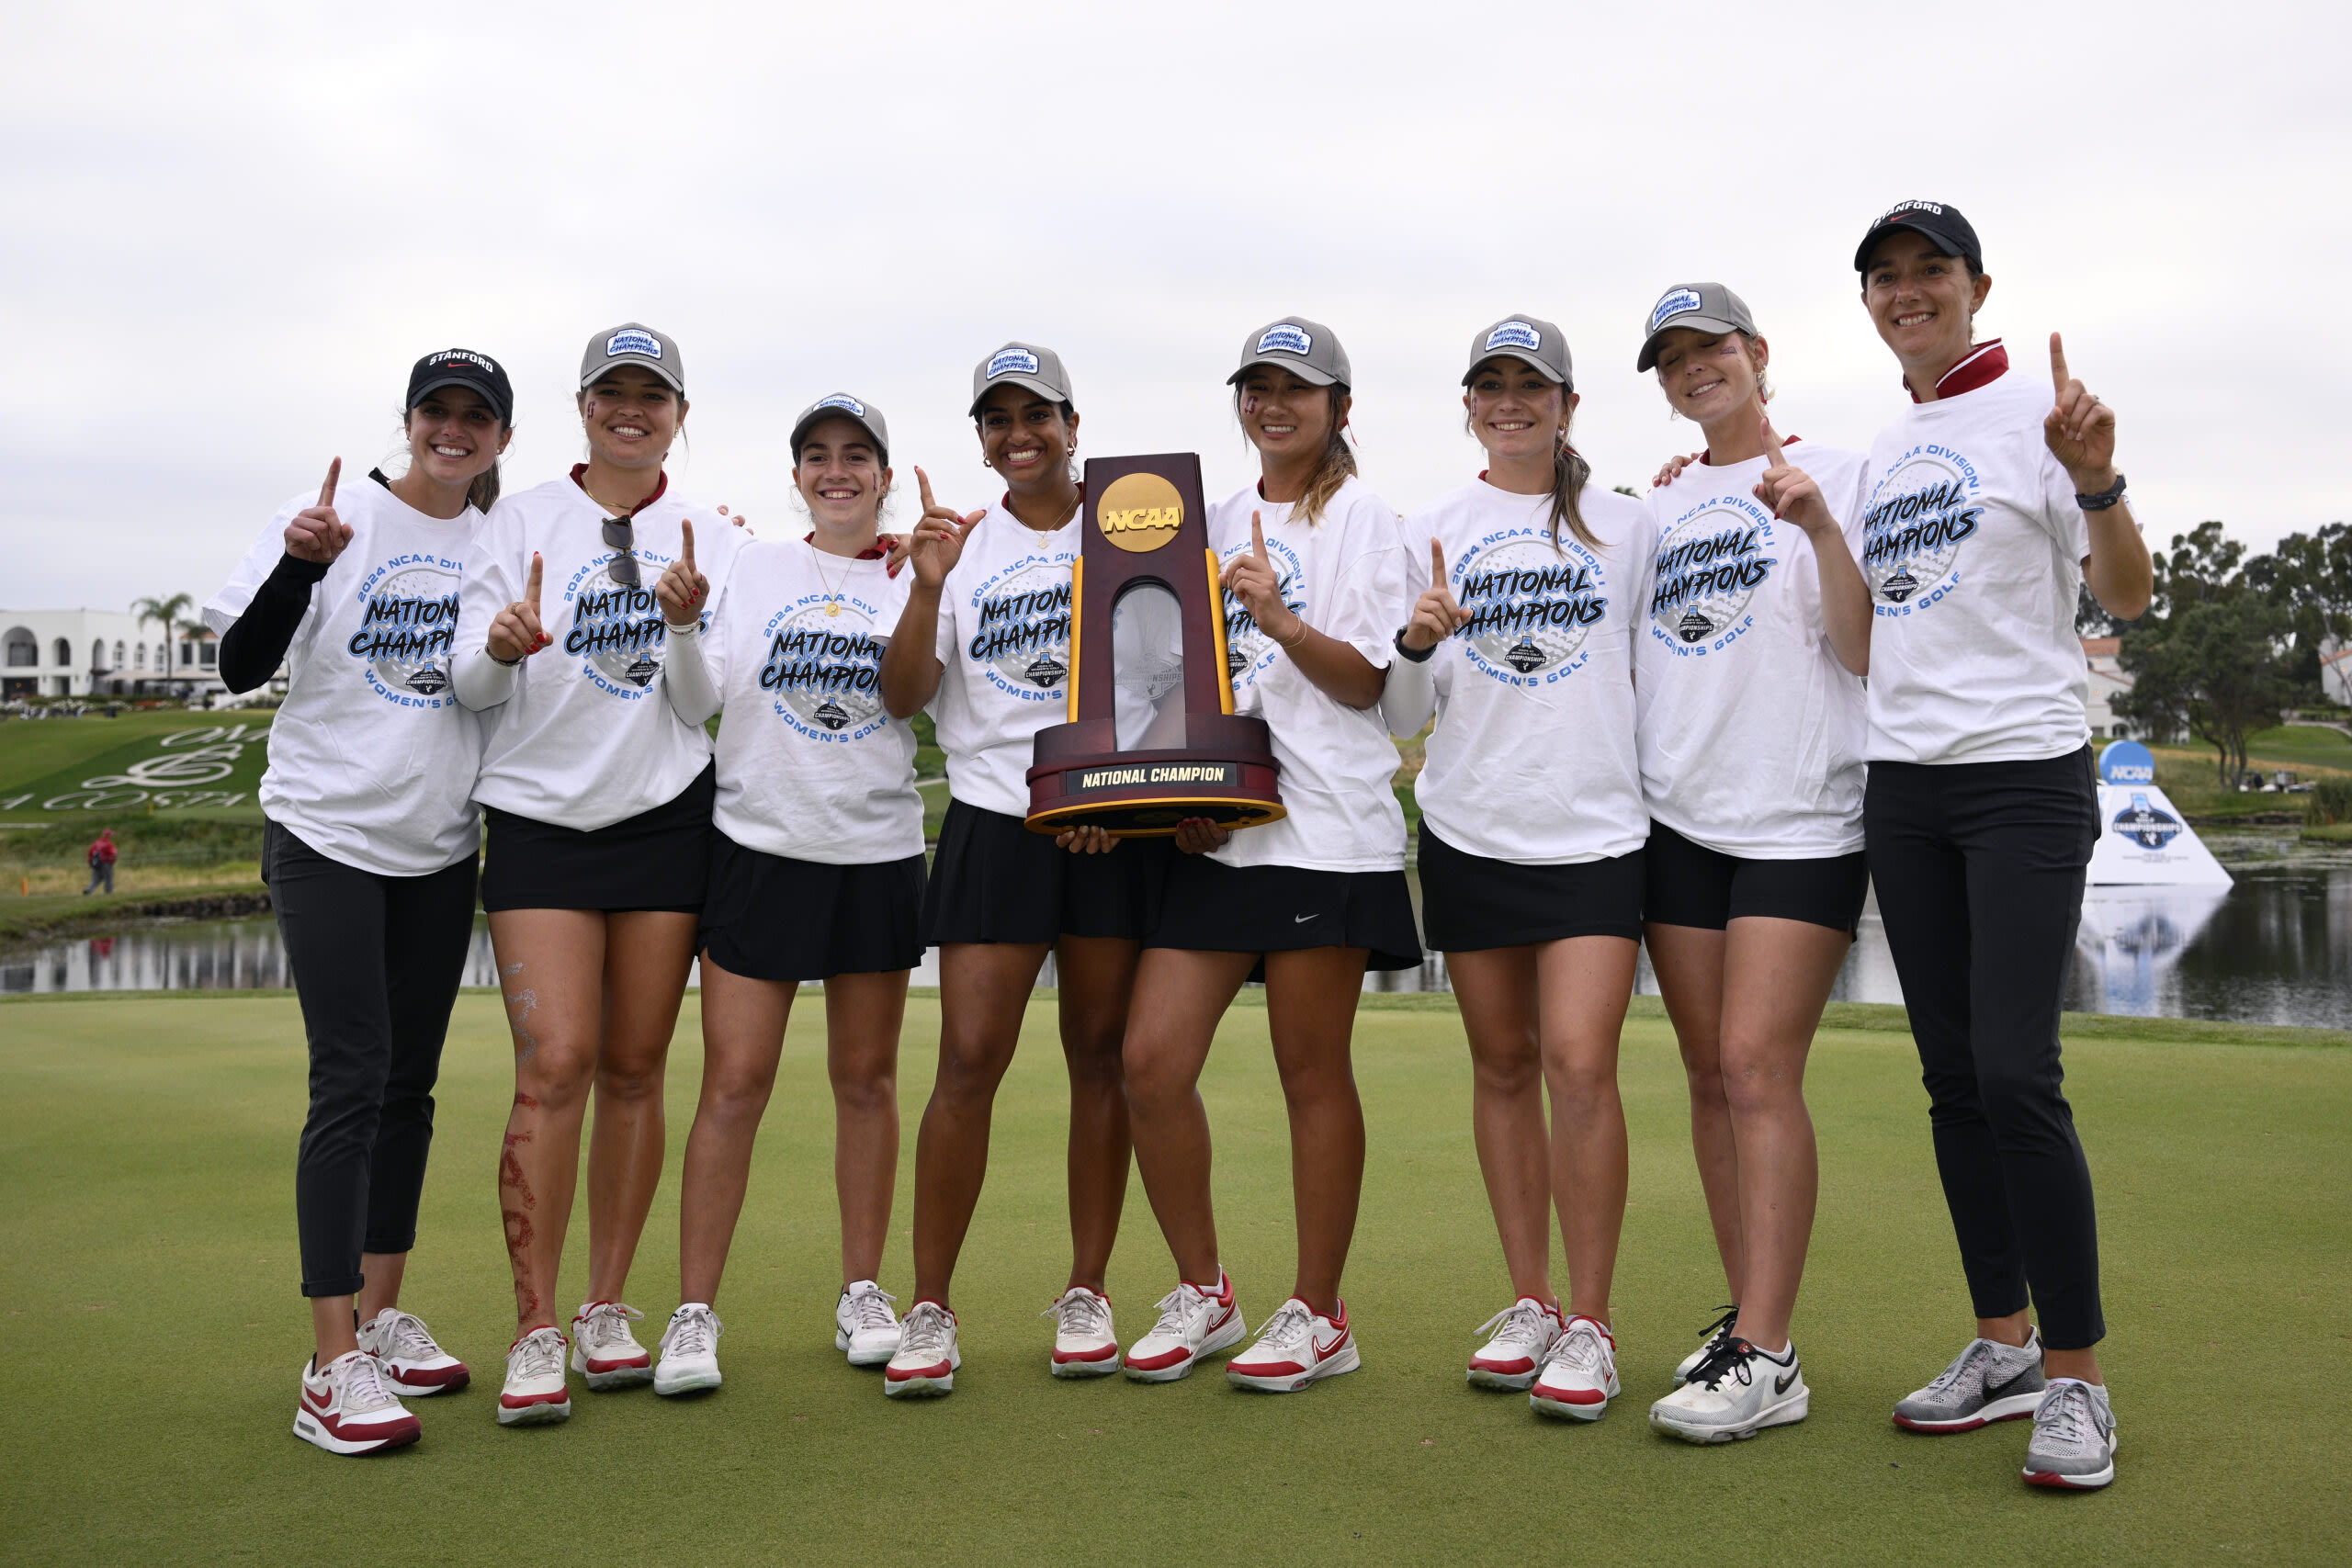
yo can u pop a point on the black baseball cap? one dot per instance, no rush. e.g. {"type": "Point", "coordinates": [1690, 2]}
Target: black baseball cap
{"type": "Point", "coordinates": [1939, 221]}
{"type": "Point", "coordinates": [463, 367]}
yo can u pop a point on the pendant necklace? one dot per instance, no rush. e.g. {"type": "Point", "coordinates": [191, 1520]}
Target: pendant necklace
{"type": "Point", "coordinates": [832, 591]}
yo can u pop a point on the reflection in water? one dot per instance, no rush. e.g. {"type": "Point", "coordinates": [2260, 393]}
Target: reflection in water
{"type": "Point", "coordinates": [2276, 948]}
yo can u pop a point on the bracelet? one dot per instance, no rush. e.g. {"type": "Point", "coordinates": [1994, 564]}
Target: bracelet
{"type": "Point", "coordinates": [689, 630]}
{"type": "Point", "coordinates": [504, 663]}
{"type": "Point", "coordinates": [1303, 629]}
{"type": "Point", "coordinates": [2104, 498]}
{"type": "Point", "coordinates": [1418, 656]}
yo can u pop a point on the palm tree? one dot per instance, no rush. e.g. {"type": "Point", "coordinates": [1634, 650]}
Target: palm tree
{"type": "Point", "coordinates": [170, 612]}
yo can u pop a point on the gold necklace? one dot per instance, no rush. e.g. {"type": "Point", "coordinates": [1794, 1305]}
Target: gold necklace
{"type": "Point", "coordinates": [1044, 533]}
{"type": "Point", "coordinates": [832, 591]}
{"type": "Point", "coordinates": [618, 513]}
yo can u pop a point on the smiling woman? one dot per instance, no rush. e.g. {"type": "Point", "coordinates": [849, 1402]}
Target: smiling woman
{"type": "Point", "coordinates": [370, 856]}
{"type": "Point", "coordinates": [598, 796]}
{"type": "Point", "coordinates": [1980, 812]}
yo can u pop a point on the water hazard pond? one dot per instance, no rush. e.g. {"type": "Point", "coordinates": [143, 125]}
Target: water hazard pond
{"type": "Point", "coordinates": [2276, 948]}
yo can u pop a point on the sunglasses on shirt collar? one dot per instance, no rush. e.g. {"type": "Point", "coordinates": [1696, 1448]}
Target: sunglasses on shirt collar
{"type": "Point", "coordinates": [621, 534]}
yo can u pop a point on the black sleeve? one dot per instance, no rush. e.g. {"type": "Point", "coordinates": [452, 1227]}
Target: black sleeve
{"type": "Point", "coordinates": [253, 648]}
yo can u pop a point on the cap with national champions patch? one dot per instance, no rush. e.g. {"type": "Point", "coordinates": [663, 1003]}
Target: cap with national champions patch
{"type": "Point", "coordinates": [1308, 350]}
{"type": "Point", "coordinates": [1701, 308]}
{"type": "Point", "coordinates": [1022, 365]}
{"type": "Point", "coordinates": [633, 342]}
{"type": "Point", "coordinates": [841, 405]}
{"type": "Point", "coordinates": [1941, 224]}
{"type": "Point", "coordinates": [463, 367]}
{"type": "Point", "coordinates": [1538, 343]}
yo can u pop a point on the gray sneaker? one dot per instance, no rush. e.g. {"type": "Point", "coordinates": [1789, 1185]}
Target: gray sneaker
{"type": "Point", "coordinates": [1985, 1382]}
{"type": "Point", "coordinates": [2073, 1438]}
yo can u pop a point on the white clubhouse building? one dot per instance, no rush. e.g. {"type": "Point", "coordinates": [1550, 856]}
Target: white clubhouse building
{"type": "Point", "coordinates": [103, 653]}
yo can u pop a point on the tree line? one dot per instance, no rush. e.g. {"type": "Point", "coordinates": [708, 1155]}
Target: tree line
{"type": "Point", "coordinates": [2230, 640]}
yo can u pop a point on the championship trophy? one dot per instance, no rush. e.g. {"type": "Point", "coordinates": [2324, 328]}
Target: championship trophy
{"type": "Point", "coordinates": [1152, 738]}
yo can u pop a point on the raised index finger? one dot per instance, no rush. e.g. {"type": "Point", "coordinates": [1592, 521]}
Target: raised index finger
{"type": "Point", "coordinates": [2058, 376]}
{"type": "Point", "coordinates": [1257, 536]}
{"type": "Point", "coordinates": [326, 490]}
{"type": "Point", "coordinates": [686, 552]}
{"type": "Point", "coordinates": [1437, 563]}
{"type": "Point", "coordinates": [923, 480]}
{"type": "Point", "coordinates": [1771, 444]}
{"type": "Point", "coordinates": [531, 586]}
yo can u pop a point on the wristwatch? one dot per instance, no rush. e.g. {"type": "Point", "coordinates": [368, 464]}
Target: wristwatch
{"type": "Point", "coordinates": [2104, 498]}
{"type": "Point", "coordinates": [1418, 656]}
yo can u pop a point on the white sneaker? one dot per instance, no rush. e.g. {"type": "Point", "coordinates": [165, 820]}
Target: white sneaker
{"type": "Point", "coordinates": [689, 1350]}
{"type": "Point", "coordinates": [927, 1358]}
{"type": "Point", "coordinates": [865, 1325]}
{"type": "Point", "coordinates": [1085, 1345]}
{"type": "Point", "coordinates": [348, 1409]}
{"type": "Point", "coordinates": [1295, 1347]}
{"type": "Point", "coordinates": [1522, 1333]}
{"type": "Point", "coordinates": [413, 1364]}
{"type": "Point", "coordinates": [1580, 1375]}
{"type": "Point", "coordinates": [2074, 1437]}
{"type": "Point", "coordinates": [535, 1392]}
{"type": "Point", "coordinates": [1714, 1335]}
{"type": "Point", "coordinates": [1735, 1393]}
{"type": "Point", "coordinates": [604, 1351]}
{"type": "Point", "coordinates": [1193, 1324]}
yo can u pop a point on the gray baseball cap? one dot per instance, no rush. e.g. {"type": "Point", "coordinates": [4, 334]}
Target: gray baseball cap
{"type": "Point", "coordinates": [841, 405]}
{"type": "Point", "coordinates": [1308, 350]}
{"type": "Point", "coordinates": [1703, 308]}
{"type": "Point", "coordinates": [1538, 342]}
{"type": "Point", "coordinates": [1022, 364]}
{"type": "Point", "coordinates": [633, 342]}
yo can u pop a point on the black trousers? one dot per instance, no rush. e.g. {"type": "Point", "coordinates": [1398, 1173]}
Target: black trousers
{"type": "Point", "coordinates": [376, 961]}
{"type": "Point", "coordinates": [1979, 872]}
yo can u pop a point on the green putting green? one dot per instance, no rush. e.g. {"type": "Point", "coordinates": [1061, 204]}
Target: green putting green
{"type": "Point", "coordinates": [154, 1331]}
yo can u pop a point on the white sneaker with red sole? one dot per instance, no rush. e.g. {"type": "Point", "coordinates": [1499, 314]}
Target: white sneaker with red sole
{"type": "Point", "coordinates": [348, 1409]}
{"type": "Point", "coordinates": [1580, 1375]}
{"type": "Point", "coordinates": [1085, 1345]}
{"type": "Point", "coordinates": [535, 1394]}
{"type": "Point", "coordinates": [1524, 1333]}
{"type": "Point", "coordinates": [413, 1363]}
{"type": "Point", "coordinates": [1295, 1347]}
{"type": "Point", "coordinates": [927, 1358]}
{"type": "Point", "coordinates": [604, 1350]}
{"type": "Point", "coordinates": [1193, 1324]}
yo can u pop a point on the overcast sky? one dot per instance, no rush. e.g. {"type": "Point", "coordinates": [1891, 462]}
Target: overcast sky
{"type": "Point", "coordinates": [230, 230]}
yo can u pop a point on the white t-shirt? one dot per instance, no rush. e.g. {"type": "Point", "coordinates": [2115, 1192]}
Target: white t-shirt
{"type": "Point", "coordinates": [371, 760]}
{"type": "Point", "coordinates": [1346, 577]}
{"type": "Point", "coordinates": [1004, 645]}
{"type": "Point", "coordinates": [1973, 549]}
{"type": "Point", "coordinates": [1532, 759]}
{"type": "Point", "coordinates": [809, 765]}
{"type": "Point", "coordinates": [1750, 731]}
{"type": "Point", "coordinates": [586, 740]}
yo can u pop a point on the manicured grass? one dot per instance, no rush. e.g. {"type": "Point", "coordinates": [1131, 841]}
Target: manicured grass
{"type": "Point", "coordinates": [48, 759]}
{"type": "Point", "coordinates": [154, 1331]}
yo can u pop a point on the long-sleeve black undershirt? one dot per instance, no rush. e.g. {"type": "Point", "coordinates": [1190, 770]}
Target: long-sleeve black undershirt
{"type": "Point", "coordinates": [253, 648]}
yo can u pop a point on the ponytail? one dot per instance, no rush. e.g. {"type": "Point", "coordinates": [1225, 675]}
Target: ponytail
{"type": "Point", "coordinates": [1569, 474]}
{"type": "Point", "coordinates": [483, 495]}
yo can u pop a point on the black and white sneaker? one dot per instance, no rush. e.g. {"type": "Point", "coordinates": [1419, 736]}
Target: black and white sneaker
{"type": "Point", "coordinates": [2073, 1438]}
{"type": "Point", "coordinates": [1735, 1393]}
{"type": "Point", "coordinates": [1711, 1338]}
{"type": "Point", "coordinates": [1985, 1382]}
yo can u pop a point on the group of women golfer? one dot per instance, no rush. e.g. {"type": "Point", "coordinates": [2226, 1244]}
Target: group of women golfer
{"type": "Point", "coordinates": [1651, 723]}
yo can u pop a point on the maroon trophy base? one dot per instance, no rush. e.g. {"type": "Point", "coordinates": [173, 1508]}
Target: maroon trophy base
{"type": "Point", "coordinates": [1224, 772]}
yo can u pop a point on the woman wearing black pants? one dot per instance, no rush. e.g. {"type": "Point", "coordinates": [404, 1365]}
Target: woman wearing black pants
{"type": "Point", "coordinates": [1994, 499]}
{"type": "Point", "coordinates": [369, 855]}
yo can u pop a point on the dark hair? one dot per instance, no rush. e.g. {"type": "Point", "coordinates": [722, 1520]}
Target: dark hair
{"type": "Point", "coordinates": [483, 493]}
{"type": "Point", "coordinates": [1333, 468]}
{"type": "Point", "coordinates": [1570, 473]}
